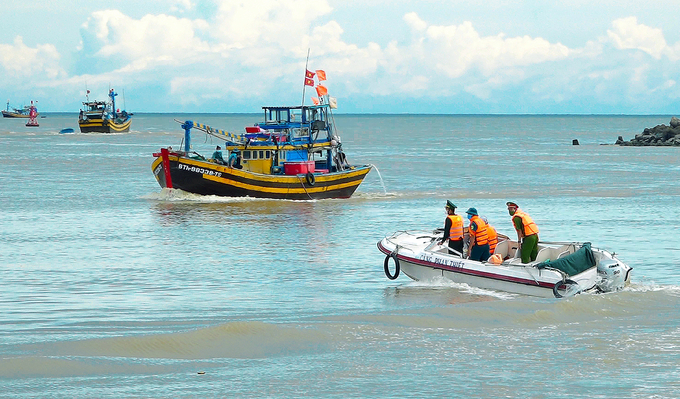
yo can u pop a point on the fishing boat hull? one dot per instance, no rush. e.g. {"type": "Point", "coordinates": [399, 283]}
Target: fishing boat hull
{"type": "Point", "coordinates": [420, 257]}
{"type": "Point", "coordinates": [10, 114]}
{"type": "Point", "coordinates": [202, 177]}
{"type": "Point", "coordinates": [98, 125]}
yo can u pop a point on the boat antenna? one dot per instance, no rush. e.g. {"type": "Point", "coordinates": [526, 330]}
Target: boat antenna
{"type": "Point", "coordinates": [304, 85]}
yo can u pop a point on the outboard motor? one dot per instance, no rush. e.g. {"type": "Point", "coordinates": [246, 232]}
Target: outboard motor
{"type": "Point", "coordinates": [613, 274]}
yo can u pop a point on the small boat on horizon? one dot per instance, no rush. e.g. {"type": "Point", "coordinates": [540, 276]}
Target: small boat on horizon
{"type": "Point", "coordinates": [293, 154]}
{"type": "Point", "coordinates": [103, 116]}
{"type": "Point", "coordinates": [560, 269]}
{"type": "Point", "coordinates": [22, 112]}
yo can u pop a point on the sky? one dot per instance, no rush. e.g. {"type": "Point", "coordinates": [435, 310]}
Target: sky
{"type": "Point", "coordinates": [394, 57]}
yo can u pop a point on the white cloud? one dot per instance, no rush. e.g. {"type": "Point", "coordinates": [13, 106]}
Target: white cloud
{"type": "Point", "coordinates": [283, 24]}
{"type": "Point", "coordinates": [151, 40]}
{"type": "Point", "coordinates": [413, 20]}
{"type": "Point", "coordinates": [458, 48]}
{"type": "Point", "coordinates": [21, 61]}
{"type": "Point", "coordinates": [628, 34]}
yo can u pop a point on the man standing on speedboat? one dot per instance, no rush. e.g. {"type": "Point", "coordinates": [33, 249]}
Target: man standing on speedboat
{"type": "Point", "coordinates": [453, 229]}
{"type": "Point", "coordinates": [527, 232]}
{"type": "Point", "coordinates": [479, 239]}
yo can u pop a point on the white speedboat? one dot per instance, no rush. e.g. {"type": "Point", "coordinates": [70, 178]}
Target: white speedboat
{"type": "Point", "coordinates": [560, 269]}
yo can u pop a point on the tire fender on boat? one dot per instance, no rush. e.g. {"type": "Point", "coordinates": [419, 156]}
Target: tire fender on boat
{"type": "Point", "coordinates": [310, 178]}
{"type": "Point", "coordinates": [564, 282]}
{"type": "Point", "coordinates": [396, 266]}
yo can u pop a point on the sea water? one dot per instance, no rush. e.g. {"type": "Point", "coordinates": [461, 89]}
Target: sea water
{"type": "Point", "coordinates": [112, 287]}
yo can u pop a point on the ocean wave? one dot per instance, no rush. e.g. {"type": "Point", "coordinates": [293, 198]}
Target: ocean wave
{"type": "Point", "coordinates": [245, 340]}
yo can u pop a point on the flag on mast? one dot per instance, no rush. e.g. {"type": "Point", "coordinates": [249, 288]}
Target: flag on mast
{"type": "Point", "coordinates": [321, 90]}
{"type": "Point", "coordinates": [321, 75]}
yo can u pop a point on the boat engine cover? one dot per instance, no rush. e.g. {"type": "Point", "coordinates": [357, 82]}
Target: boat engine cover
{"type": "Point", "coordinates": [612, 275]}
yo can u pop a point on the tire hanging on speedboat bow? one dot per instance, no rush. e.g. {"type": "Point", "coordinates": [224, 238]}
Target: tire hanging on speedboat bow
{"type": "Point", "coordinates": [396, 266]}
{"type": "Point", "coordinates": [566, 284]}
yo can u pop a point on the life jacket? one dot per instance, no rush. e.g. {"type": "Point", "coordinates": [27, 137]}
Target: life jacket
{"type": "Point", "coordinates": [529, 225]}
{"type": "Point", "coordinates": [480, 235]}
{"type": "Point", "coordinates": [456, 232]}
{"type": "Point", "coordinates": [493, 237]}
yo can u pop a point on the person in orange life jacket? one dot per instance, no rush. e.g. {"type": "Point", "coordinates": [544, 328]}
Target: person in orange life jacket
{"type": "Point", "coordinates": [493, 235]}
{"type": "Point", "coordinates": [453, 229]}
{"type": "Point", "coordinates": [527, 232]}
{"type": "Point", "coordinates": [479, 239]}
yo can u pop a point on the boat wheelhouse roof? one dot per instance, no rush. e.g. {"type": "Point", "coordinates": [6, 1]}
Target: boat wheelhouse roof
{"type": "Point", "coordinates": [278, 117]}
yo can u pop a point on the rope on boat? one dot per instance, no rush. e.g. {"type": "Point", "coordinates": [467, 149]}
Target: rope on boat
{"type": "Point", "coordinates": [304, 188]}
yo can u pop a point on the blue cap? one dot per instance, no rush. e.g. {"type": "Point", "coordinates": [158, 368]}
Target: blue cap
{"type": "Point", "coordinates": [472, 211]}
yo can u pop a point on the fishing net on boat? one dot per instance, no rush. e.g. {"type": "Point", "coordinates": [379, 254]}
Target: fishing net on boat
{"type": "Point", "coordinates": [573, 264]}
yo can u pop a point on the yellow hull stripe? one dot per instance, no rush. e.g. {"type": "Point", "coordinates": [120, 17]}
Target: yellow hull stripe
{"type": "Point", "coordinates": [280, 190]}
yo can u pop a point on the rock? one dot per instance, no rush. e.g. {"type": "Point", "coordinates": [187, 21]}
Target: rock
{"type": "Point", "coordinates": [574, 142]}
{"type": "Point", "coordinates": [659, 135]}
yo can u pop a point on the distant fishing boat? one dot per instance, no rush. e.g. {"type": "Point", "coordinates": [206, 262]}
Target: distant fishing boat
{"type": "Point", "coordinates": [16, 112]}
{"type": "Point", "coordinates": [294, 154]}
{"type": "Point", "coordinates": [103, 116]}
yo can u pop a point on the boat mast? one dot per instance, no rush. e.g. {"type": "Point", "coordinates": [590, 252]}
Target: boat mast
{"type": "Point", "coordinates": [304, 85]}
{"type": "Point", "coordinates": [113, 95]}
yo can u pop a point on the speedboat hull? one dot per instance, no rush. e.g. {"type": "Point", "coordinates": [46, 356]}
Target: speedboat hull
{"type": "Point", "coordinates": [420, 257]}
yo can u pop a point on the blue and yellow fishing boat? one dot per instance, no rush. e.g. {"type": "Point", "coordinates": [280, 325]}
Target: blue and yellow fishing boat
{"type": "Point", "coordinates": [294, 154]}
{"type": "Point", "coordinates": [104, 117]}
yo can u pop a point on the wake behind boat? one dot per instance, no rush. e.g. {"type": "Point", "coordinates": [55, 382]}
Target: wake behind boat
{"type": "Point", "coordinates": [294, 154]}
{"type": "Point", "coordinates": [560, 269]}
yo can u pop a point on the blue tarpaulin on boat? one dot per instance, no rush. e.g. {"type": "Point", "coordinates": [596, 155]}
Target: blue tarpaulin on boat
{"type": "Point", "coordinates": [573, 264]}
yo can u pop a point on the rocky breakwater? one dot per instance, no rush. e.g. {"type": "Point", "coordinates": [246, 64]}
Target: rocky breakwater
{"type": "Point", "coordinates": [659, 135]}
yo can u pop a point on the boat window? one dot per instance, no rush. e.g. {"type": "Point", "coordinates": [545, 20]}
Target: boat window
{"type": "Point", "coordinates": [267, 154]}
{"type": "Point", "coordinates": [282, 115]}
{"type": "Point", "coordinates": [269, 116]}
{"type": "Point", "coordinates": [282, 155]}
{"type": "Point", "coordinates": [301, 132]}
{"type": "Point", "coordinates": [261, 154]}
{"type": "Point", "coordinates": [246, 154]}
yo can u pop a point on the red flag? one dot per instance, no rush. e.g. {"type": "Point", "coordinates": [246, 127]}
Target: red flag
{"type": "Point", "coordinates": [309, 74]}
{"type": "Point", "coordinates": [315, 100]}
{"type": "Point", "coordinates": [321, 75]}
{"type": "Point", "coordinates": [321, 90]}
{"type": "Point", "coordinates": [309, 82]}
